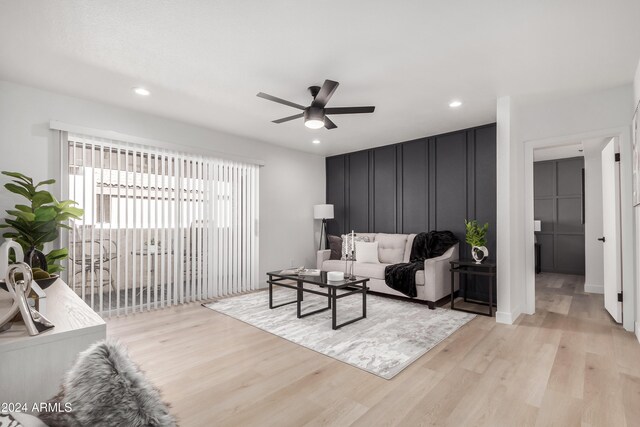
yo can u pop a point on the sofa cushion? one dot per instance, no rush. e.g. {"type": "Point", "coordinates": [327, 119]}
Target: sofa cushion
{"type": "Point", "coordinates": [391, 247]}
{"type": "Point", "coordinates": [373, 271]}
{"type": "Point", "coordinates": [347, 243]}
{"type": "Point", "coordinates": [367, 252]}
{"type": "Point", "coordinates": [335, 244]}
{"type": "Point", "coordinates": [408, 247]}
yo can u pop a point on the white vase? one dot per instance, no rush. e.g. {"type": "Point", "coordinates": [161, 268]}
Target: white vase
{"type": "Point", "coordinates": [479, 253]}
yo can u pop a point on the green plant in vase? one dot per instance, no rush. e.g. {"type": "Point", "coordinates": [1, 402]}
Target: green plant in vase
{"type": "Point", "coordinates": [476, 236]}
{"type": "Point", "coordinates": [39, 220]}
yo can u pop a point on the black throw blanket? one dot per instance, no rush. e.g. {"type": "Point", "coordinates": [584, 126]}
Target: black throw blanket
{"type": "Point", "coordinates": [402, 277]}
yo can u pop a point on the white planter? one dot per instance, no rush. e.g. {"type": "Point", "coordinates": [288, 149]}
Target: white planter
{"type": "Point", "coordinates": [479, 253]}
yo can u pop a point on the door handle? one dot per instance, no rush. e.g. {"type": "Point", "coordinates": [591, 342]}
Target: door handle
{"type": "Point", "coordinates": [601, 239]}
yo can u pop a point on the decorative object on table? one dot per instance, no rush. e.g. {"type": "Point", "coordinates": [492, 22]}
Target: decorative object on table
{"type": "Point", "coordinates": [300, 271]}
{"type": "Point", "coordinates": [335, 245]}
{"type": "Point", "coordinates": [348, 243]}
{"type": "Point", "coordinates": [394, 335]}
{"type": "Point", "coordinates": [537, 226]}
{"type": "Point", "coordinates": [335, 276]}
{"type": "Point", "coordinates": [476, 236]}
{"type": "Point", "coordinates": [38, 222]}
{"type": "Point", "coordinates": [352, 275]}
{"type": "Point", "coordinates": [18, 283]}
{"type": "Point", "coordinates": [106, 388]}
{"type": "Point", "coordinates": [323, 212]}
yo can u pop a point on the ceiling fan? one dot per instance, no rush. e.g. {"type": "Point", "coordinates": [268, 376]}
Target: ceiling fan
{"type": "Point", "coordinates": [315, 115]}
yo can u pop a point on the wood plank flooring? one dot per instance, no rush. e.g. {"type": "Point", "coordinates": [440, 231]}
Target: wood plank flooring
{"type": "Point", "coordinates": [569, 364]}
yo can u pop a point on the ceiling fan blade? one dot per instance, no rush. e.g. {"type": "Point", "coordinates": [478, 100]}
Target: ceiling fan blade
{"type": "Point", "coordinates": [286, 119]}
{"type": "Point", "coordinates": [328, 123]}
{"type": "Point", "coordinates": [326, 91]}
{"type": "Point", "coordinates": [280, 101]}
{"type": "Point", "coordinates": [349, 110]}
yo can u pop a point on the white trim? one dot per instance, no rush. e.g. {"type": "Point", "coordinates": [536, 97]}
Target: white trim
{"type": "Point", "coordinates": [594, 289]}
{"type": "Point", "coordinates": [638, 331]}
{"type": "Point", "coordinates": [506, 317]}
{"type": "Point", "coordinates": [112, 135]}
{"type": "Point", "coordinates": [628, 267]}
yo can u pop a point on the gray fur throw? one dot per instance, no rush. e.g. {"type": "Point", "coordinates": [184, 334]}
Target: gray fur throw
{"type": "Point", "coordinates": [105, 388]}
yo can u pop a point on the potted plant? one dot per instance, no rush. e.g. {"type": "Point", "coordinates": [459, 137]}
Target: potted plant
{"type": "Point", "coordinates": [38, 221]}
{"type": "Point", "coordinates": [476, 236]}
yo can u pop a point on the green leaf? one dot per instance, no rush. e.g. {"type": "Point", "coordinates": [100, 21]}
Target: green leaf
{"type": "Point", "coordinates": [58, 254]}
{"type": "Point", "coordinates": [25, 216]}
{"type": "Point", "coordinates": [45, 213]}
{"type": "Point", "coordinates": [18, 176]}
{"type": "Point", "coordinates": [47, 182]}
{"type": "Point", "coordinates": [75, 213]}
{"type": "Point", "coordinates": [40, 198]}
{"type": "Point", "coordinates": [54, 268]}
{"type": "Point", "coordinates": [23, 208]}
{"type": "Point", "coordinates": [17, 190]}
{"type": "Point", "coordinates": [48, 237]}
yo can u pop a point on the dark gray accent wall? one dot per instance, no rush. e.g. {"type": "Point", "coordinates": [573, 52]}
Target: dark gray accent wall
{"type": "Point", "coordinates": [558, 194]}
{"type": "Point", "coordinates": [431, 183]}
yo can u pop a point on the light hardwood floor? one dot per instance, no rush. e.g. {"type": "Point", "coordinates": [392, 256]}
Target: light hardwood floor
{"type": "Point", "coordinates": [568, 364]}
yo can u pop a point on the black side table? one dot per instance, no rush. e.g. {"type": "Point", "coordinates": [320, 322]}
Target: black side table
{"type": "Point", "coordinates": [469, 267]}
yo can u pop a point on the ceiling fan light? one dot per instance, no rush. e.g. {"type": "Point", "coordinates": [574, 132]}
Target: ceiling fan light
{"type": "Point", "coordinates": [314, 123]}
{"type": "Point", "coordinates": [314, 118]}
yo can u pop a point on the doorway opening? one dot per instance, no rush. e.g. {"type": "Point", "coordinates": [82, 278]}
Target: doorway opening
{"type": "Point", "coordinates": [576, 188]}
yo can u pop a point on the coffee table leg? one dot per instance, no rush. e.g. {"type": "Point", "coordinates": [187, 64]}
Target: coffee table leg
{"type": "Point", "coordinates": [334, 303]}
{"type": "Point", "coordinates": [299, 299]}
{"type": "Point", "coordinates": [270, 293]}
{"type": "Point", "coordinates": [364, 300]}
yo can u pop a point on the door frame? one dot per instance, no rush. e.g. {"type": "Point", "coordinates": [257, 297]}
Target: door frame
{"type": "Point", "coordinates": [623, 135]}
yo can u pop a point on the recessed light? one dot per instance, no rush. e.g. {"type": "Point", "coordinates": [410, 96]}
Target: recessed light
{"type": "Point", "coordinates": [141, 91]}
{"type": "Point", "coordinates": [455, 104]}
{"type": "Point", "coordinates": [316, 141]}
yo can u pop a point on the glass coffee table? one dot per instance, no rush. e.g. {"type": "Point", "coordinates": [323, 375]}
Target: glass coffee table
{"type": "Point", "coordinates": [334, 291]}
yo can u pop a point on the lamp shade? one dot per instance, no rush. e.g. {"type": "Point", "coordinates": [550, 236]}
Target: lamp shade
{"type": "Point", "coordinates": [537, 225]}
{"type": "Point", "coordinates": [323, 211]}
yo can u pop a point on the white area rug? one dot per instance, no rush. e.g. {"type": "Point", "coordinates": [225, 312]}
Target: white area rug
{"type": "Point", "coordinates": [394, 334]}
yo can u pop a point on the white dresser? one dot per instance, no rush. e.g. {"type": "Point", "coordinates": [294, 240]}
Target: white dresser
{"type": "Point", "coordinates": [32, 368]}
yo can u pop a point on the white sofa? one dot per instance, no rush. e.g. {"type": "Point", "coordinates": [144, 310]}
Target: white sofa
{"type": "Point", "coordinates": [432, 284]}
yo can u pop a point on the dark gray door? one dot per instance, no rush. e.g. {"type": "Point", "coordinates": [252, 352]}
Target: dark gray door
{"type": "Point", "coordinates": [558, 194]}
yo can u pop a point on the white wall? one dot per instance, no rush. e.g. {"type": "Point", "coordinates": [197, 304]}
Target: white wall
{"type": "Point", "coordinates": [291, 182]}
{"type": "Point", "coordinates": [522, 119]}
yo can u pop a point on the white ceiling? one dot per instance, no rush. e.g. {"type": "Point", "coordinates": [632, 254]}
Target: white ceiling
{"type": "Point", "coordinates": [559, 152]}
{"type": "Point", "coordinates": [204, 61]}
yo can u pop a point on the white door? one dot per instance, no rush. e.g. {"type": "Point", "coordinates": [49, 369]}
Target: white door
{"type": "Point", "coordinates": [611, 231]}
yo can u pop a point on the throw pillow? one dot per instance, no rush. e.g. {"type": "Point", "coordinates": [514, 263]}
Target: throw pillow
{"type": "Point", "coordinates": [335, 244]}
{"type": "Point", "coordinates": [346, 244]}
{"type": "Point", "coordinates": [367, 252]}
{"type": "Point", "coordinates": [106, 388]}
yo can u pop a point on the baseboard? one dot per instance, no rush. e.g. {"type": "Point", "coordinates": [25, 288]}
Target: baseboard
{"type": "Point", "coordinates": [594, 289]}
{"type": "Point", "coordinates": [638, 331]}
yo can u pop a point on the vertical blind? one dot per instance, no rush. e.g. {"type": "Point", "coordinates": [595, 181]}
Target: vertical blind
{"type": "Point", "coordinates": [160, 227]}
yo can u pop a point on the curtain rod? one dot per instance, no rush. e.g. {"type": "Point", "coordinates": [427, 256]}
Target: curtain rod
{"type": "Point", "coordinates": [108, 134]}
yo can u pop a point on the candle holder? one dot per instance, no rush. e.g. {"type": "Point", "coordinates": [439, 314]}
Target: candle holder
{"type": "Point", "coordinates": [353, 259]}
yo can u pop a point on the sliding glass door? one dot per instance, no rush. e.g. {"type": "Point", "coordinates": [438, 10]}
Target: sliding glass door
{"type": "Point", "coordinates": [160, 227]}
